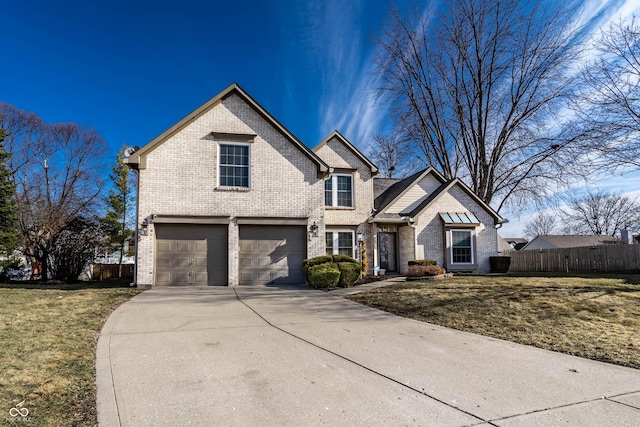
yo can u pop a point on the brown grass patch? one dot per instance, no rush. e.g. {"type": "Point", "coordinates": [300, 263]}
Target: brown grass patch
{"type": "Point", "coordinates": [592, 317]}
{"type": "Point", "coordinates": [47, 355]}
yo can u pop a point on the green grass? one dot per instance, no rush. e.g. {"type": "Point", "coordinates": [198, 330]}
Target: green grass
{"type": "Point", "coordinates": [592, 317]}
{"type": "Point", "coordinates": [47, 356]}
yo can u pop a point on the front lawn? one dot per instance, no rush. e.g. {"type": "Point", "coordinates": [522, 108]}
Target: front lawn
{"type": "Point", "coordinates": [48, 337]}
{"type": "Point", "coordinates": [592, 317]}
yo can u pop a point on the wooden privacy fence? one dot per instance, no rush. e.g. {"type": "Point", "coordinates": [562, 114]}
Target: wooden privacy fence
{"type": "Point", "coordinates": [605, 258]}
{"type": "Point", "coordinates": [110, 271]}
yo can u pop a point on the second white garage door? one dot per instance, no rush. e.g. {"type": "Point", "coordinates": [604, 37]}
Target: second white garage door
{"type": "Point", "coordinates": [272, 254]}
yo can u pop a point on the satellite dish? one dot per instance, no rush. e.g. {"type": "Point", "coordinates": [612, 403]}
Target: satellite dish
{"type": "Point", "coordinates": [130, 150]}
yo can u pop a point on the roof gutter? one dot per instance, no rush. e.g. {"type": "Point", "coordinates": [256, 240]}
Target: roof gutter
{"type": "Point", "coordinates": [501, 223]}
{"type": "Point", "coordinates": [401, 220]}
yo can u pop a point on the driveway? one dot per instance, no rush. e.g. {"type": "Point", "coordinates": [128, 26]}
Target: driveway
{"type": "Point", "coordinates": [263, 356]}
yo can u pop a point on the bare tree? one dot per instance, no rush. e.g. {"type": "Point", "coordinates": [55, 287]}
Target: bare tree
{"type": "Point", "coordinates": [609, 105]}
{"type": "Point", "coordinates": [477, 88]}
{"type": "Point", "coordinates": [392, 156]}
{"type": "Point", "coordinates": [57, 171]}
{"type": "Point", "coordinates": [543, 223]}
{"type": "Point", "coordinates": [601, 212]}
{"type": "Point", "coordinates": [73, 247]}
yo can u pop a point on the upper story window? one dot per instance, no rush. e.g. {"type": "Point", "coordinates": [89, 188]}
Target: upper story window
{"type": "Point", "coordinates": [233, 165]}
{"type": "Point", "coordinates": [461, 247]}
{"type": "Point", "coordinates": [338, 190]}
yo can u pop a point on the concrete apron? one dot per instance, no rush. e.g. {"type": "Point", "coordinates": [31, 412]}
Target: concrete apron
{"type": "Point", "coordinates": [273, 356]}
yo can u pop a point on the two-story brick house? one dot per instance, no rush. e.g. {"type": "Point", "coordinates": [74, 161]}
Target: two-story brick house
{"type": "Point", "coordinates": [228, 196]}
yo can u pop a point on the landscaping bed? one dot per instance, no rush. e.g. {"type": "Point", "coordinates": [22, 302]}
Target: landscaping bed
{"type": "Point", "coordinates": [592, 317]}
{"type": "Point", "coordinates": [49, 334]}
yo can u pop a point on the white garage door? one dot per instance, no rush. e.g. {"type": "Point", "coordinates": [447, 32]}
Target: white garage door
{"type": "Point", "coordinates": [190, 254]}
{"type": "Point", "coordinates": [272, 254]}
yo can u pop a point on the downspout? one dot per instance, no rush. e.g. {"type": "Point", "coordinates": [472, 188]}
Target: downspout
{"type": "Point", "coordinates": [135, 265]}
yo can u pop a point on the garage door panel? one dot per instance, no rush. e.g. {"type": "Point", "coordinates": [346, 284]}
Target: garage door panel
{"type": "Point", "coordinates": [263, 261]}
{"type": "Point", "coordinates": [246, 247]}
{"type": "Point", "coordinates": [200, 277]}
{"type": "Point", "coordinates": [164, 246]}
{"type": "Point", "coordinates": [272, 254]}
{"type": "Point", "coordinates": [163, 261]}
{"type": "Point", "coordinates": [266, 247]}
{"type": "Point", "coordinates": [163, 278]}
{"type": "Point", "coordinates": [182, 261]}
{"type": "Point", "coordinates": [189, 254]}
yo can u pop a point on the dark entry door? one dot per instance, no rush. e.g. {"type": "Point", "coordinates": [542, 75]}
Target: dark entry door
{"type": "Point", "coordinates": [387, 243]}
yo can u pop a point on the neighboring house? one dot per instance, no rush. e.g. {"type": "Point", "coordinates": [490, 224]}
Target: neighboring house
{"type": "Point", "coordinates": [228, 196]}
{"type": "Point", "coordinates": [511, 244]}
{"type": "Point", "coordinates": [568, 241]}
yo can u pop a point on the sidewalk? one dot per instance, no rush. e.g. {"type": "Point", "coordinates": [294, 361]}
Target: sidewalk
{"type": "Point", "coordinates": [291, 357]}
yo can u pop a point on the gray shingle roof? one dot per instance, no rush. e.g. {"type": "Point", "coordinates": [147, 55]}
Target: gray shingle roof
{"type": "Point", "coordinates": [394, 190]}
{"type": "Point", "coordinates": [380, 185]}
{"type": "Point", "coordinates": [576, 241]}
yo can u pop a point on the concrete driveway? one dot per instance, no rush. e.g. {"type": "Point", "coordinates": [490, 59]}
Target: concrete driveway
{"type": "Point", "coordinates": [265, 356]}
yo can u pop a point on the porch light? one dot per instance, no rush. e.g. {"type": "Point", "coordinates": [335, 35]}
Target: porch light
{"type": "Point", "coordinates": [360, 237]}
{"type": "Point", "coordinates": [313, 230]}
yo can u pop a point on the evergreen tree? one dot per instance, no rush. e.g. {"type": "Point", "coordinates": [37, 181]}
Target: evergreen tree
{"type": "Point", "coordinates": [10, 236]}
{"type": "Point", "coordinates": [119, 205]}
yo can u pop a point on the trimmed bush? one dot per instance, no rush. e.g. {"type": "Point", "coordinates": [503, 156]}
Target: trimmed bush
{"type": "Point", "coordinates": [324, 275]}
{"type": "Point", "coordinates": [425, 270]}
{"type": "Point", "coordinates": [308, 263]}
{"type": "Point", "coordinates": [499, 264]}
{"type": "Point", "coordinates": [349, 273]}
{"type": "Point", "coordinates": [422, 262]}
{"type": "Point", "coordinates": [317, 260]}
{"type": "Point", "coordinates": [343, 258]}
{"type": "Point", "coordinates": [319, 272]}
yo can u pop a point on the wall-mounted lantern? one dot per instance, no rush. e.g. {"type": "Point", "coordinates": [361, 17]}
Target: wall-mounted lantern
{"type": "Point", "coordinates": [313, 230]}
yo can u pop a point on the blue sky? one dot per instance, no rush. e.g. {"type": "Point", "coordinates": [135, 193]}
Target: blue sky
{"type": "Point", "coordinates": [131, 69]}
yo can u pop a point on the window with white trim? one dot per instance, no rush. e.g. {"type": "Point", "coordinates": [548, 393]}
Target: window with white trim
{"type": "Point", "coordinates": [233, 165]}
{"type": "Point", "coordinates": [338, 190]}
{"type": "Point", "coordinates": [339, 242]}
{"type": "Point", "coordinates": [462, 247]}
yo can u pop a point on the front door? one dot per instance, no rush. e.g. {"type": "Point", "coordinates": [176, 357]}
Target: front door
{"type": "Point", "coordinates": [387, 243]}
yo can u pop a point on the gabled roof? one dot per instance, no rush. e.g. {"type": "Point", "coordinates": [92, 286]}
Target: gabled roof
{"type": "Point", "coordinates": [397, 189]}
{"type": "Point", "coordinates": [137, 159]}
{"type": "Point", "coordinates": [573, 241]}
{"type": "Point", "coordinates": [350, 146]}
{"type": "Point", "coordinates": [444, 188]}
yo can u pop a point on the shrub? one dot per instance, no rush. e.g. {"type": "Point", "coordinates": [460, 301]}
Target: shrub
{"type": "Point", "coordinates": [319, 271]}
{"type": "Point", "coordinates": [349, 273]}
{"type": "Point", "coordinates": [324, 275]}
{"type": "Point", "coordinates": [308, 263]}
{"type": "Point", "coordinates": [499, 264]}
{"type": "Point", "coordinates": [425, 270]}
{"type": "Point", "coordinates": [422, 262]}
{"type": "Point", "coordinates": [343, 258]}
{"type": "Point", "coordinates": [317, 260]}
{"type": "Point", "coordinates": [11, 263]}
